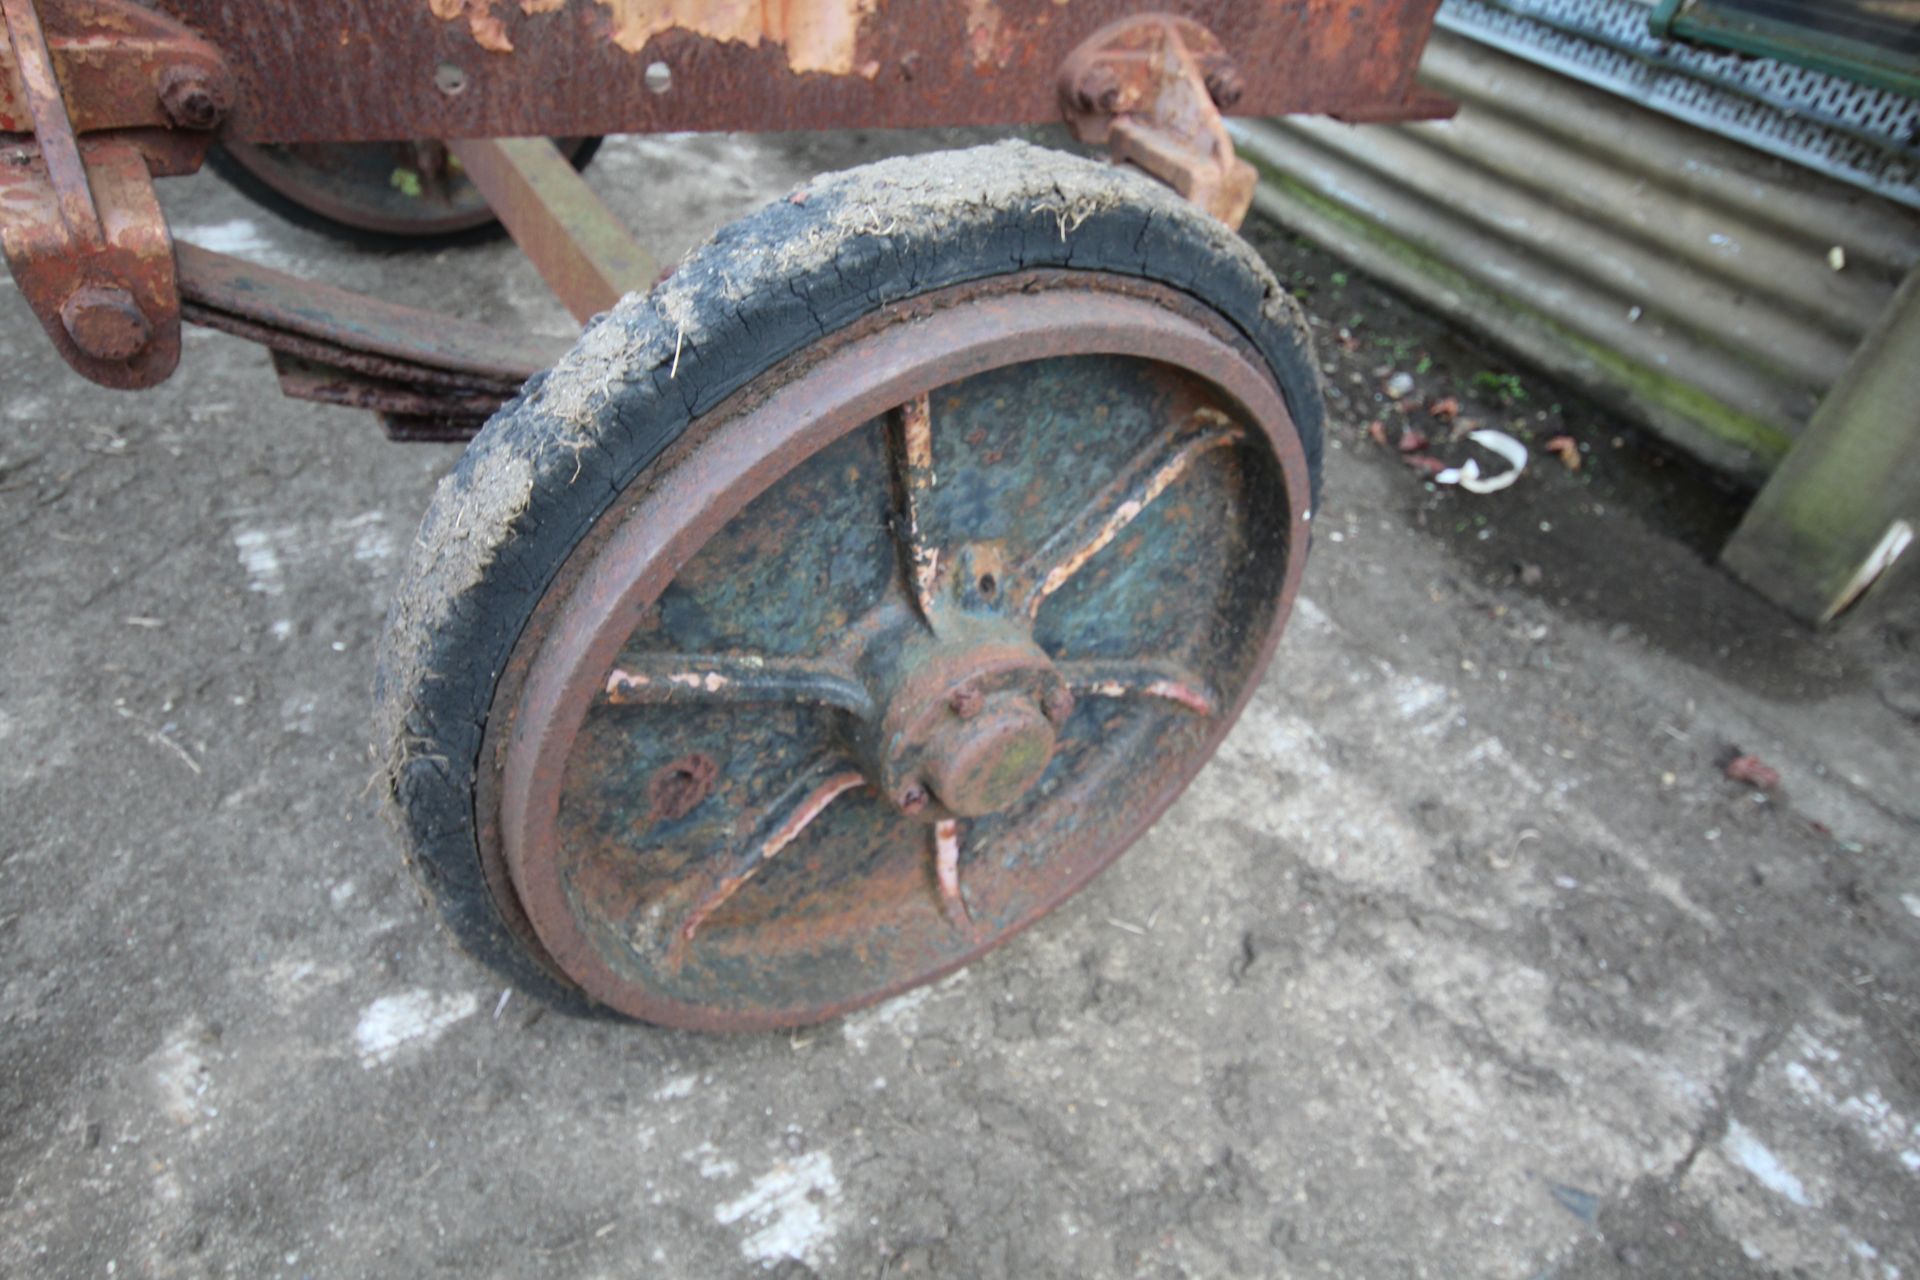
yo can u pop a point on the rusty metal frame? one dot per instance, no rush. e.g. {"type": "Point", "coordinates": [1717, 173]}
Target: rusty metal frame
{"type": "Point", "coordinates": [343, 70]}
{"type": "Point", "coordinates": [80, 225]}
{"type": "Point", "coordinates": [98, 97]}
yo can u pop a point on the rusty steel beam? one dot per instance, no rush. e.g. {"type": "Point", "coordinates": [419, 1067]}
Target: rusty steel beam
{"type": "Point", "coordinates": [345, 70]}
{"type": "Point", "coordinates": [584, 253]}
{"type": "Point", "coordinates": [431, 376]}
{"type": "Point", "coordinates": [377, 338]}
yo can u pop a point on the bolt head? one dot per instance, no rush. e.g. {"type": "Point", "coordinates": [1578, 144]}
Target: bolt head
{"type": "Point", "coordinates": [966, 702]}
{"type": "Point", "coordinates": [1058, 705]}
{"type": "Point", "coordinates": [911, 799]}
{"type": "Point", "coordinates": [105, 322]}
{"type": "Point", "coordinates": [1225, 85]}
{"type": "Point", "coordinates": [1098, 89]}
{"type": "Point", "coordinates": [190, 100]}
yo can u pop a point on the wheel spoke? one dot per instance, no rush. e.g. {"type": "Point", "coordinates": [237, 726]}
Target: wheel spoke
{"type": "Point", "coordinates": [662, 678]}
{"type": "Point", "coordinates": [910, 445]}
{"type": "Point", "coordinates": [1145, 477]}
{"type": "Point", "coordinates": [805, 799]}
{"type": "Point", "coordinates": [1142, 678]}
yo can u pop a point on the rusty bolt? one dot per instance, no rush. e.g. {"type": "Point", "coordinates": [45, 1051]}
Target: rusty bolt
{"type": "Point", "coordinates": [966, 702]}
{"type": "Point", "coordinates": [105, 322]}
{"type": "Point", "coordinates": [912, 798]}
{"type": "Point", "coordinates": [1058, 704]}
{"type": "Point", "coordinates": [1097, 88]}
{"type": "Point", "coordinates": [1225, 85]}
{"type": "Point", "coordinates": [190, 100]}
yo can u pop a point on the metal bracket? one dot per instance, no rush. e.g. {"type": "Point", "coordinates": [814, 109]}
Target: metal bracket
{"type": "Point", "coordinates": [1151, 88]}
{"type": "Point", "coordinates": [80, 225]}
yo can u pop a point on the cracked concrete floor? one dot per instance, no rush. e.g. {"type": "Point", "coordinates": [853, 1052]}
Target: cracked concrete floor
{"type": "Point", "coordinates": [1463, 959]}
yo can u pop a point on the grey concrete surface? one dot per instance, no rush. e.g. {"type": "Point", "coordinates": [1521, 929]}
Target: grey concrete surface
{"type": "Point", "coordinates": [1462, 960]}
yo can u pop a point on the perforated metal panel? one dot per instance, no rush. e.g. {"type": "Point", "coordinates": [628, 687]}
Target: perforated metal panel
{"type": "Point", "coordinates": [1866, 136]}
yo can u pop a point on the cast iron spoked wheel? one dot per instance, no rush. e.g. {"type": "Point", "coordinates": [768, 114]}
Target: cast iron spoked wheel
{"type": "Point", "coordinates": [396, 194]}
{"type": "Point", "coordinates": [741, 685]}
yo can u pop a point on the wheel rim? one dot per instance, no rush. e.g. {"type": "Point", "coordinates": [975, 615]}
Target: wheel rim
{"type": "Point", "coordinates": [867, 676]}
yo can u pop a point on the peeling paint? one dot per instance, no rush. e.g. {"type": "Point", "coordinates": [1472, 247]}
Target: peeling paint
{"type": "Point", "coordinates": [819, 35]}
{"type": "Point", "coordinates": [988, 38]}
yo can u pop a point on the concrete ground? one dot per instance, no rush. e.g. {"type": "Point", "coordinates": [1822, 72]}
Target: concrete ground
{"type": "Point", "coordinates": [1464, 959]}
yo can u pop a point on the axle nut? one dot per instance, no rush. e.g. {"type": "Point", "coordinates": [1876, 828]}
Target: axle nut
{"type": "Point", "coordinates": [912, 798]}
{"type": "Point", "coordinates": [190, 100]}
{"type": "Point", "coordinates": [105, 322]}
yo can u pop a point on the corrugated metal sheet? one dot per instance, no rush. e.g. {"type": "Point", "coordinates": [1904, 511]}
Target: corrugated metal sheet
{"type": "Point", "coordinates": [1866, 135]}
{"type": "Point", "coordinates": [1681, 277]}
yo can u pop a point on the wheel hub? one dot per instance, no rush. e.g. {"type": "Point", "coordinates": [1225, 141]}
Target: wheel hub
{"type": "Point", "coordinates": [967, 733]}
{"type": "Point", "coordinates": [983, 766]}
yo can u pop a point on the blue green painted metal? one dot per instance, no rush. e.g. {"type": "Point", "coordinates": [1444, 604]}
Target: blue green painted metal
{"type": "Point", "coordinates": [924, 684]}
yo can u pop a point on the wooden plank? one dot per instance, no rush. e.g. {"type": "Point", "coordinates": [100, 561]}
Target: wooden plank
{"type": "Point", "coordinates": [580, 247]}
{"type": "Point", "coordinates": [1845, 503]}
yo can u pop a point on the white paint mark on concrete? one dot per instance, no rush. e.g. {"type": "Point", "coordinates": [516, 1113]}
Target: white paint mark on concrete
{"type": "Point", "coordinates": [678, 1087]}
{"type": "Point", "coordinates": [391, 1023]}
{"type": "Point", "coordinates": [297, 713]}
{"type": "Point", "coordinates": [792, 1210]}
{"type": "Point", "coordinates": [1867, 1110]}
{"type": "Point", "coordinates": [900, 1014]}
{"type": "Point", "coordinates": [260, 560]}
{"type": "Point", "coordinates": [291, 981]}
{"type": "Point", "coordinates": [712, 1164]}
{"type": "Point", "coordinates": [1753, 1156]}
{"type": "Point", "coordinates": [1582, 824]}
{"type": "Point", "coordinates": [268, 553]}
{"type": "Point", "coordinates": [1911, 901]}
{"type": "Point", "coordinates": [373, 543]}
{"type": "Point", "coordinates": [180, 1077]}
{"type": "Point", "coordinates": [1425, 706]}
{"type": "Point", "coordinates": [1308, 614]}
{"type": "Point", "coordinates": [27, 408]}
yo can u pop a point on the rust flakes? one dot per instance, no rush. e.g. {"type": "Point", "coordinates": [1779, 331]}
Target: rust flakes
{"type": "Point", "coordinates": [818, 35]}
{"type": "Point", "coordinates": [677, 790]}
{"type": "Point", "coordinates": [489, 31]}
{"type": "Point", "coordinates": [988, 39]}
